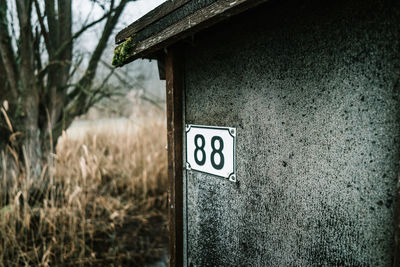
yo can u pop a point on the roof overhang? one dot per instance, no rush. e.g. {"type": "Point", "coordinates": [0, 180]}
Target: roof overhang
{"type": "Point", "coordinates": [171, 22]}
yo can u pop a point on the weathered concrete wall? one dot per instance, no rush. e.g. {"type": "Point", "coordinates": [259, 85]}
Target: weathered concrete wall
{"type": "Point", "coordinates": [313, 90]}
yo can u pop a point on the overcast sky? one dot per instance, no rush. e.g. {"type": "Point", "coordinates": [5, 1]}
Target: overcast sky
{"type": "Point", "coordinates": [84, 8]}
{"type": "Point", "coordinates": [133, 10]}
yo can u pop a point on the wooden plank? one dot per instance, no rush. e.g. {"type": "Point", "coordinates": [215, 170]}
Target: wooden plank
{"type": "Point", "coordinates": [175, 86]}
{"type": "Point", "coordinates": [151, 17]}
{"type": "Point", "coordinates": [206, 17]}
{"type": "Point", "coordinates": [170, 19]}
{"type": "Point", "coordinates": [396, 260]}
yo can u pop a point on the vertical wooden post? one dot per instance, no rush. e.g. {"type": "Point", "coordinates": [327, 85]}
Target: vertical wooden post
{"type": "Point", "coordinates": [396, 260]}
{"type": "Point", "coordinates": [175, 86]}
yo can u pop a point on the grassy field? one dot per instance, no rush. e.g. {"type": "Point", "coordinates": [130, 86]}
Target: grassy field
{"type": "Point", "coordinates": [101, 200]}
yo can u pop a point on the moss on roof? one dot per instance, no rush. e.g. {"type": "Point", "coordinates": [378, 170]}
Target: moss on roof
{"type": "Point", "coordinates": [122, 52]}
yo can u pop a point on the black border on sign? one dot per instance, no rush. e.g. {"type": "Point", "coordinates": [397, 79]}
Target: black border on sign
{"type": "Point", "coordinates": [190, 126]}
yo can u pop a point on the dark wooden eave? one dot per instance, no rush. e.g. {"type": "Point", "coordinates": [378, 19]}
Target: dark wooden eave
{"type": "Point", "coordinates": [175, 20]}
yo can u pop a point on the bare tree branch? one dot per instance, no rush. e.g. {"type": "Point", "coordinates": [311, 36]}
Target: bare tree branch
{"type": "Point", "coordinates": [87, 80]}
{"type": "Point", "coordinates": [76, 66]}
{"type": "Point", "coordinates": [64, 45]}
{"type": "Point", "coordinates": [42, 72]}
{"type": "Point", "coordinates": [43, 28]}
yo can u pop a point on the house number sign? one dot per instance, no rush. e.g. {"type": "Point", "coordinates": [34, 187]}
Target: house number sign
{"type": "Point", "coordinates": [212, 150]}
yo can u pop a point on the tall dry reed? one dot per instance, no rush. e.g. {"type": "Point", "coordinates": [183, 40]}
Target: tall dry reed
{"type": "Point", "coordinates": [101, 200]}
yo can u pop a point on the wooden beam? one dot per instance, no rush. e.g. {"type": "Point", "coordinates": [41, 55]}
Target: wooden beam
{"type": "Point", "coordinates": [151, 17]}
{"type": "Point", "coordinates": [175, 85]}
{"type": "Point", "coordinates": [161, 67]}
{"type": "Point", "coordinates": [201, 19]}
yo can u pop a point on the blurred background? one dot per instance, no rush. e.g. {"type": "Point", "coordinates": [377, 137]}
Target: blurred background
{"type": "Point", "coordinates": [83, 164]}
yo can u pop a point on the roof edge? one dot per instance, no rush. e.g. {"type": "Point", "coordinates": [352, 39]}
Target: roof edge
{"type": "Point", "coordinates": [218, 11]}
{"type": "Point", "coordinates": [149, 18]}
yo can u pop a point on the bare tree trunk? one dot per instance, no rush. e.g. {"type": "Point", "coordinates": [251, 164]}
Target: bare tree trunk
{"type": "Point", "coordinates": [60, 32]}
{"type": "Point", "coordinates": [65, 18]}
{"type": "Point", "coordinates": [30, 97]}
{"type": "Point", "coordinates": [7, 53]}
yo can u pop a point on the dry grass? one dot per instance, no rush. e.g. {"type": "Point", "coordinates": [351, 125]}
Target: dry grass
{"type": "Point", "coordinates": [102, 201]}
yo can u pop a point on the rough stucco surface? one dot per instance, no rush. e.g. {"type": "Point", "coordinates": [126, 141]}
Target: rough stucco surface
{"type": "Point", "coordinates": [313, 90]}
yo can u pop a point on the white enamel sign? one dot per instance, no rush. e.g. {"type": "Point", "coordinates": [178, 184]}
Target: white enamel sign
{"type": "Point", "coordinates": [211, 149]}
